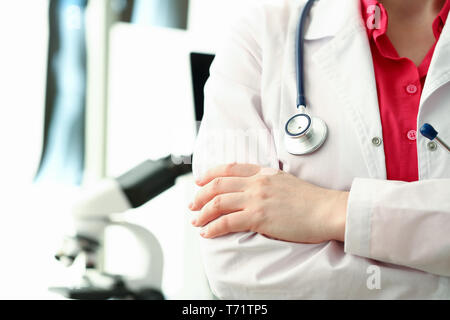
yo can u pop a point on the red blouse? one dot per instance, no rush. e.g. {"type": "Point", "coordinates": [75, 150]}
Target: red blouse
{"type": "Point", "coordinates": [399, 87]}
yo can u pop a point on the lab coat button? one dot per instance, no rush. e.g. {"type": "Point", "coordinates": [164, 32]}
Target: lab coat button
{"type": "Point", "coordinates": [432, 146]}
{"type": "Point", "coordinates": [377, 141]}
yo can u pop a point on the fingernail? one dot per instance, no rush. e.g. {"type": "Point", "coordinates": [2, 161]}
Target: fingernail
{"type": "Point", "coordinates": [203, 231]}
{"type": "Point", "coordinates": [191, 205]}
{"type": "Point", "coordinates": [194, 222]}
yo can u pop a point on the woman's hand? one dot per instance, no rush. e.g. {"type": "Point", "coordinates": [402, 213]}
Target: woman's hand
{"type": "Point", "coordinates": [245, 197]}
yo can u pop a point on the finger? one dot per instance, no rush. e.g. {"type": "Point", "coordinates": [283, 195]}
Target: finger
{"type": "Point", "coordinates": [229, 170]}
{"type": "Point", "coordinates": [216, 187]}
{"type": "Point", "coordinates": [219, 206]}
{"type": "Point", "coordinates": [230, 223]}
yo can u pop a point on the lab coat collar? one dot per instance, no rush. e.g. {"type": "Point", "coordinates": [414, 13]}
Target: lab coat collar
{"type": "Point", "coordinates": [329, 17]}
{"type": "Point", "coordinates": [439, 71]}
{"type": "Point", "coordinates": [346, 59]}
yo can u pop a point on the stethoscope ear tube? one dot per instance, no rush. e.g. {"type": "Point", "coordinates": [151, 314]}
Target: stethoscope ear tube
{"type": "Point", "coordinates": [301, 100]}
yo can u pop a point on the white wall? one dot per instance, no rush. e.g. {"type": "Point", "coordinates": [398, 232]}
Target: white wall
{"type": "Point", "coordinates": [150, 111]}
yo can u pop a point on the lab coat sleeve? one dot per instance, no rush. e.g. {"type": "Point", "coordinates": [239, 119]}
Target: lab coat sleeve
{"type": "Point", "coordinates": [401, 223]}
{"type": "Point", "coordinates": [233, 127]}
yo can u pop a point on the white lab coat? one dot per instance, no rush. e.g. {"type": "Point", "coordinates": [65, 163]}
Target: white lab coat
{"type": "Point", "coordinates": [401, 228]}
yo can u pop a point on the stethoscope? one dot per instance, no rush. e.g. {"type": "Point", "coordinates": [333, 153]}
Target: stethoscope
{"type": "Point", "coordinates": [305, 133]}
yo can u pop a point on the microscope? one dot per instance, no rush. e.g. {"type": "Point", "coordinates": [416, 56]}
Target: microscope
{"type": "Point", "coordinates": [92, 215]}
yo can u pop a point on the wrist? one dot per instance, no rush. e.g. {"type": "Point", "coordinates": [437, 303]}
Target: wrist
{"type": "Point", "coordinates": [338, 215]}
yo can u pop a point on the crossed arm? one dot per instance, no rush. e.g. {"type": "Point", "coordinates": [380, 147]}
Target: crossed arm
{"type": "Point", "coordinates": [246, 197]}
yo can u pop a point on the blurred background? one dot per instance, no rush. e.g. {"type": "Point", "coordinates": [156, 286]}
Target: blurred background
{"type": "Point", "coordinates": [90, 89]}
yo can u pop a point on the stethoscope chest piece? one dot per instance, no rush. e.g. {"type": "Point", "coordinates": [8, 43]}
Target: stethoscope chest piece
{"type": "Point", "coordinates": [304, 134]}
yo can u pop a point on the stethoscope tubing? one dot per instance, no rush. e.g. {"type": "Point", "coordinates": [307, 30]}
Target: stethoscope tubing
{"type": "Point", "coordinates": [301, 100]}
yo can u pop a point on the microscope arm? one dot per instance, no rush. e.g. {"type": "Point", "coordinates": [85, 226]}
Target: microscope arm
{"type": "Point", "coordinates": [149, 179]}
{"type": "Point", "coordinates": [130, 190]}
